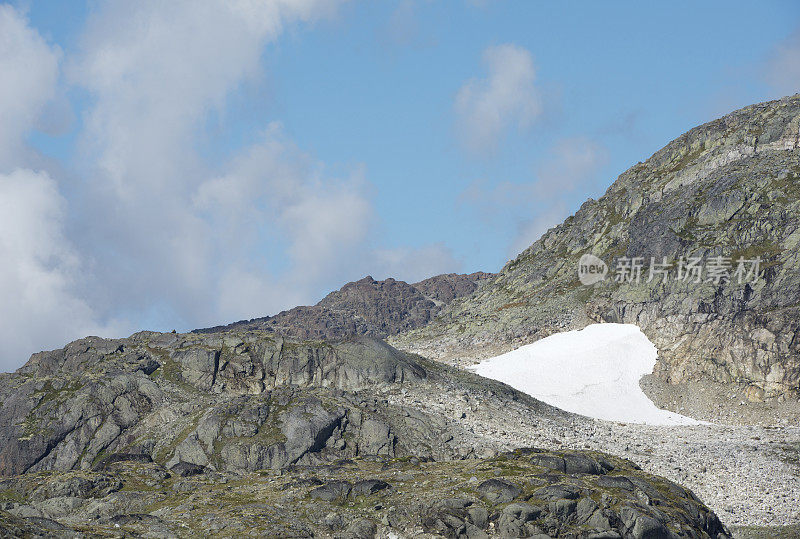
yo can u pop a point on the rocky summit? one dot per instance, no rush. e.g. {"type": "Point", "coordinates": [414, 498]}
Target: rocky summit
{"type": "Point", "coordinates": [367, 307]}
{"type": "Point", "coordinates": [729, 188]}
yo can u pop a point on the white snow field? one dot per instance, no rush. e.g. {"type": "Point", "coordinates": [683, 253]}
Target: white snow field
{"type": "Point", "coordinates": [593, 372]}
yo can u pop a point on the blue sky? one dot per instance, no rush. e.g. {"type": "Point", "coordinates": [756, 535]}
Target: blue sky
{"type": "Point", "coordinates": [168, 165]}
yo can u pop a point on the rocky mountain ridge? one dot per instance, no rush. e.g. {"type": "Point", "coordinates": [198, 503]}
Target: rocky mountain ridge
{"type": "Point", "coordinates": [367, 307]}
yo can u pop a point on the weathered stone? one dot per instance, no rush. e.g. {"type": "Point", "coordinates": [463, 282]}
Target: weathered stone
{"type": "Point", "coordinates": [361, 529]}
{"type": "Point", "coordinates": [105, 462]}
{"type": "Point", "coordinates": [187, 469]}
{"type": "Point", "coordinates": [639, 525]}
{"type": "Point", "coordinates": [332, 491]}
{"type": "Point", "coordinates": [557, 492]}
{"type": "Point", "coordinates": [292, 502]}
{"type": "Point", "coordinates": [514, 519]}
{"type": "Point", "coordinates": [366, 487]}
{"type": "Point", "coordinates": [88, 486]}
{"type": "Point", "coordinates": [499, 490]}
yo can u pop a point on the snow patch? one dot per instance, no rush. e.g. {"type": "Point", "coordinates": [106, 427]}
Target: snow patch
{"type": "Point", "coordinates": [593, 372]}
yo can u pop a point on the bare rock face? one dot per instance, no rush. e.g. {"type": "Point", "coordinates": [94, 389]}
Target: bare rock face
{"type": "Point", "coordinates": [367, 307]}
{"type": "Point", "coordinates": [225, 401]}
{"type": "Point", "coordinates": [729, 188]}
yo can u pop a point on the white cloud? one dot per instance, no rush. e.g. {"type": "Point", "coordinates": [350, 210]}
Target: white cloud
{"type": "Point", "coordinates": [41, 308]}
{"type": "Point", "coordinates": [275, 190]}
{"type": "Point", "coordinates": [29, 72]}
{"type": "Point", "coordinates": [41, 273]}
{"type": "Point", "coordinates": [157, 69]}
{"type": "Point", "coordinates": [485, 108]}
{"type": "Point", "coordinates": [177, 229]}
{"type": "Point", "coordinates": [782, 70]}
{"type": "Point", "coordinates": [324, 221]}
{"type": "Point", "coordinates": [156, 232]}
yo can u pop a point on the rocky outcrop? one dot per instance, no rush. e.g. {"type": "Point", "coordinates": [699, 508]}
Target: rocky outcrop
{"type": "Point", "coordinates": [234, 401]}
{"type": "Point", "coordinates": [367, 307]}
{"type": "Point", "coordinates": [516, 494]}
{"type": "Point", "coordinates": [729, 188]}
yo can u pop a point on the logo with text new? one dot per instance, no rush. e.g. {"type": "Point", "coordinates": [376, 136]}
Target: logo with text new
{"type": "Point", "coordinates": [591, 270]}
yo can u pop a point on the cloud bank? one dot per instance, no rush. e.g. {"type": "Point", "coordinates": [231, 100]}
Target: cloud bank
{"type": "Point", "coordinates": [29, 70]}
{"type": "Point", "coordinates": [41, 274]}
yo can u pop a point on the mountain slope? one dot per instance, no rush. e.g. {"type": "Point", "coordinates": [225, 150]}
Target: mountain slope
{"type": "Point", "coordinates": [728, 188]}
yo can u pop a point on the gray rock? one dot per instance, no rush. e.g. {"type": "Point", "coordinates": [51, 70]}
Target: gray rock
{"type": "Point", "coordinates": [584, 509]}
{"type": "Point", "coordinates": [571, 463]}
{"type": "Point", "coordinates": [361, 529]}
{"type": "Point", "coordinates": [295, 502]}
{"type": "Point", "coordinates": [615, 482]}
{"type": "Point", "coordinates": [479, 516]}
{"type": "Point", "coordinates": [639, 525]}
{"type": "Point", "coordinates": [60, 506]}
{"type": "Point", "coordinates": [187, 469]}
{"type": "Point", "coordinates": [105, 409]}
{"type": "Point", "coordinates": [516, 520]}
{"type": "Point", "coordinates": [552, 462]}
{"type": "Point", "coordinates": [376, 438]}
{"type": "Point", "coordinates": [557, 492]}
{"type": "Point", "coordinates": [577, 463]}
{"type": "Point", "coordinates": [366, 487]}
{"type": "Point", "coordinates": [121, 457]}
{"type": "Point", "coordinates": [88, 486]}
{"type": "Point", "coordinates": [332, 491]}
{"type": "Point", "coordinates": [199, 366]}
{"type": "Point", "coordinates": [562, 509]}
{"type": "Point", "coordinates": [367, 307]}
{"type": "Point", "coordinates": [498, 490]}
